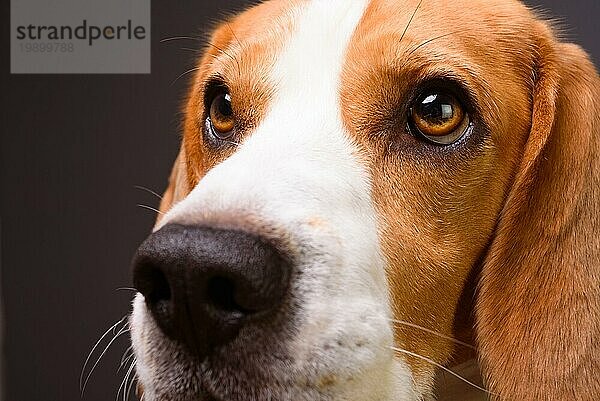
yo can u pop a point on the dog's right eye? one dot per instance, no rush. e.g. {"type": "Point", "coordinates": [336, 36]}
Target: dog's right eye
{"type": "Point", "coordinates": [220, 118]}
{"type": "Point", "coordinates": [439, 117]}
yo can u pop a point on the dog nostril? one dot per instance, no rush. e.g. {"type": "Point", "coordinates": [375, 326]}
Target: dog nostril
{"type": "Point", "coordinates": [160, 293]}
{"type": "Point", "coordinates": [159, 297]}
{"type": "Point", "coordinates": [152, 282]}
{"type": "Point", "coordinates": [221, 295]}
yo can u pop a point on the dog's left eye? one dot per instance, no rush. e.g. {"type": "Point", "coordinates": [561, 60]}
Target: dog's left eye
{"type": "Point", "coordinates": [439, 117]}
{"type": "Point", "coordinates": [220, 117]}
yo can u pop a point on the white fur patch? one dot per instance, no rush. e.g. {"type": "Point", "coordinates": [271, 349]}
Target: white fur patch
{"type": "Point", "coordinates": [300, 167]}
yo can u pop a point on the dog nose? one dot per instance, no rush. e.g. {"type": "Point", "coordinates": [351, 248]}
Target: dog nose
{"type": "Point", "coordinates": [203, 284]}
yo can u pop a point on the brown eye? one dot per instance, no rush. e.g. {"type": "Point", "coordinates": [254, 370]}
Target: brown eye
{"type": "Point", "coordinates": [439, 117]}
{"type": "Point", "coordinates": [221, 115]}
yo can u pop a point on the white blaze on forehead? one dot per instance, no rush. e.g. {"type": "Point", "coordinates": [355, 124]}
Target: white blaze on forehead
{"type": "Point", "coordinates": [311, 62]}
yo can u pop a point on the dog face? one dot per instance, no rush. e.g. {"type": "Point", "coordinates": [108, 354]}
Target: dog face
{"type": "Point", "coordinates": [349, 172]}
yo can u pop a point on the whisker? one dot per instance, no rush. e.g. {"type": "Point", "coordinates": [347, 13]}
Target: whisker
{"type": "Point", "coordinates": [445, 369]}
{"type": "Point", "coordinates": [126, 357]}
{"type": "Point", "coordinates": [94, 348]}
{"type": "Point", "coordinates": [126, 289]}
{"type": "Point", "coordinates": [124, 382]}
{"type": "Point", "coordinates": [410, 21]}
{"type": "Point", "coordinates": [185, 73]}
{"type": "Point", "coordinates": [150, 208]}
{"type": "Point", "coordinates": [227, 54]}
{"type": "Point", "coordinates": [148, 190]}
{"type": "Point", "coordinates": [238, 42]}
{"type": "Point", "coordinates": [120, 387]}
{"type": "Point", "coordinates": [131, 382]}
{"type": "Point", "coordinates": [234, 35]}
{"type": "Point", "coordinates": [220, 49]}
{"type": "Point", "coordinates": [435, 333]}
{"type": "Point", "coordinates": [432, 39]}
{"type": "Point", "coordinates": [123, 330]}
{"type": "Point", "coordinates": [178, 38]}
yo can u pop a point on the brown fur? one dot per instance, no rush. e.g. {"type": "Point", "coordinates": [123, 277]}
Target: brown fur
{"type": "Point", "coordinates": [437, 210]}
{"type": "Point", "coordinates": [538, 309]}
{"type": "Point", "coordinates": [515, 210]}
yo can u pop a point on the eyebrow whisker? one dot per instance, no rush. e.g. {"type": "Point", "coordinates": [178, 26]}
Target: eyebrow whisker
{"type": "Point", "coordinates": [432, 39]}
{"type": "Point", "coordinates": [178, 38]}
{"type": "Point", "coordinates": [227, 54]}
{"type": "Point", "coordinates": [410, 21]}
{"type": "Point", "coordinates": [189, 49]}
{"type": "Point", "coordinates": [185, 73]}
{"type": "Point", "coordinates": [234, 35]}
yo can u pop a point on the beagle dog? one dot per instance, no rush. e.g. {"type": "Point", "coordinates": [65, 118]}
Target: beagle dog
{"type": "Point", "coordinates": [371, 192]}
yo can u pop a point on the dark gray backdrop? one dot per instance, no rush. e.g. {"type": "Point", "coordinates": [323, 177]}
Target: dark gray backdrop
{"type": "Point", "coordinates": [73, 148]}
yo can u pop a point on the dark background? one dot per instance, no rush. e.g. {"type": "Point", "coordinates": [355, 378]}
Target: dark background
{"type": "Point", "coordinates": [73, 148]}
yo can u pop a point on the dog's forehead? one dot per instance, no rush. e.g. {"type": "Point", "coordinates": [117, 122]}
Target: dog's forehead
{"type": "Point", "coordinates": [266, 29]}
{"type": "Point", "coordinates": [306, 46]}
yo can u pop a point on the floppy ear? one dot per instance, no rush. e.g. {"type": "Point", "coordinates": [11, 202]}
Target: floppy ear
{"type": "Point", "coordinates": [178, 186]}
{"type": "Point", "coordinates": [538, 302]}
